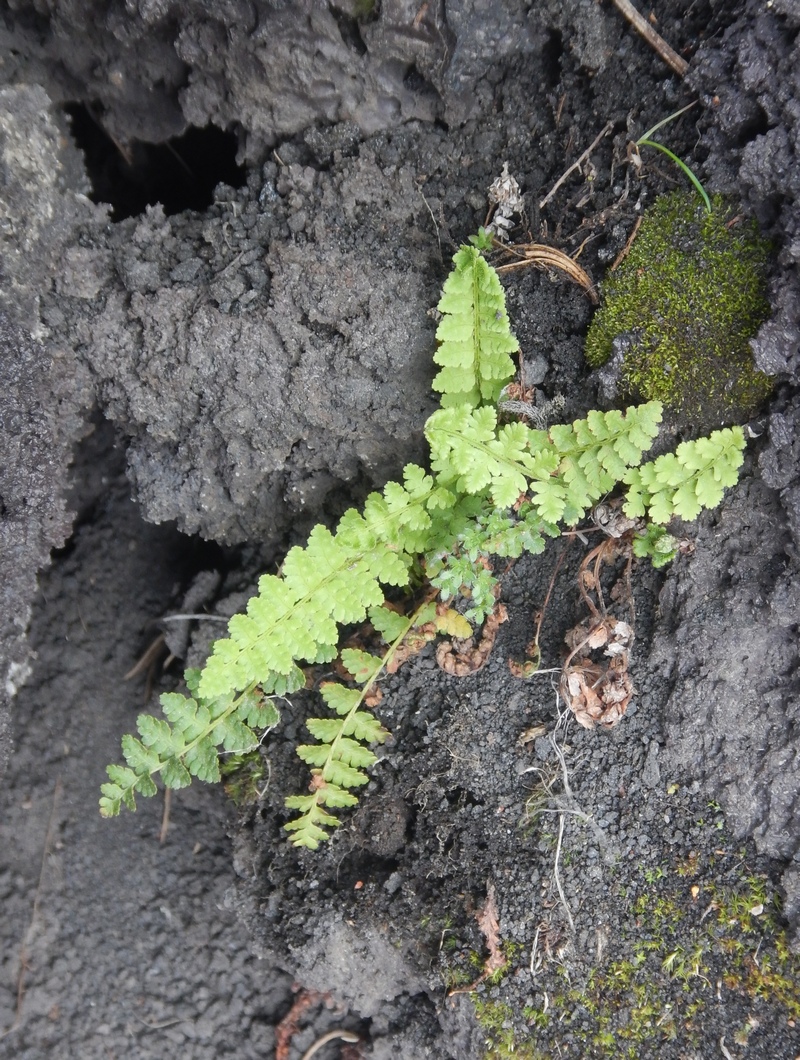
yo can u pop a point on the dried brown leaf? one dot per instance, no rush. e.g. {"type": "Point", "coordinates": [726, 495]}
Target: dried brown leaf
{"type": "Point", "coordinates": [463, 657]}
{"type": "Point", "coordinates": [489, 924]}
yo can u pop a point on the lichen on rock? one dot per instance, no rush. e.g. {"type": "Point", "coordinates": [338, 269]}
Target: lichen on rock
{"type": "Point", "coordinates": [680, 311]}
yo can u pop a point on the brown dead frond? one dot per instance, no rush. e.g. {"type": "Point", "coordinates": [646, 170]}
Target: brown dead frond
{"type": "Point", "coordinates": [489, 923]}
{"type": "Point", "coordinates": [598, 691]}
{"type": "Point", "coordinates": [541, 256]}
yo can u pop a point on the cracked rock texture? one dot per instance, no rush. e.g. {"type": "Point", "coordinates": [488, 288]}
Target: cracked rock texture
{"type": "Point", "coordinates": [43, 390]}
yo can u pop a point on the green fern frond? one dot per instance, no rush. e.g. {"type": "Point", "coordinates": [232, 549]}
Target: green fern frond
{"type": "Point", "coordinates": [334, 580]}
{"type": "Point", "coordinates": [186, 744]}
{"type": "Point", "coordinates": [341, 756]}
{"type": "Point", "coordinates": [567, 468]}
{"type": "Point", "coordinates": [685, 482]}
{"type": "Point", "coordinates": [474, 335]}
{"type": "Point", "coordinates": [493, 490]}
{"type": "Point", "coordinates": [462, 570]}
{"type": "Point", "coordinates": [655, 544]}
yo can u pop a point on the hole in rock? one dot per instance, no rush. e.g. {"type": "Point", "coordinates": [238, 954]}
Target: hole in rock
{"type": "Point", "coordinates": [180, 173]}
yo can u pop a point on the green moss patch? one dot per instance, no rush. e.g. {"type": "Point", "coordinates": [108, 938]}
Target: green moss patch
{"type": "Point", "coordinates": [691, 293]}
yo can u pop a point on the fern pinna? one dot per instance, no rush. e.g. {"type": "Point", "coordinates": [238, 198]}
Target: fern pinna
{"type": "Point", "coordinates": [492, 489]}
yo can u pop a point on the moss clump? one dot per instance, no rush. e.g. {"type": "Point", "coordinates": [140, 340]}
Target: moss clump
{"type": "Point", "coordinates": [689, 295]}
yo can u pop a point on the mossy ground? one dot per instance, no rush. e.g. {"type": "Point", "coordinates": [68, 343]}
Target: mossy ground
{"type": "Point", "coordinates": [691, 293]}
{"type": "Point", "coordinates": [701, 954]}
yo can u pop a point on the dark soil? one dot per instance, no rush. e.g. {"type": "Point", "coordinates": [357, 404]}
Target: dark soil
{"type": "Point", "coordinates": [265, 361]}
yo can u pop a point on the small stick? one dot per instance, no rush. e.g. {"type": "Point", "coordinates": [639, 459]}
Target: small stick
{"type": "Point", "coordinates": [550, 587]}
{"type": "Point", "coordinates": [147, 658]}
{"type": "Point", "coordinates": [435, 225]}
{"type": "Point", "coordinates": [162, 835]}
{"type": "Point", "coordinates": [618, 260]}
{"type": "Point", "coordinates": [576, 164]}
{"type": "Point", "coordinates": [655, 40]}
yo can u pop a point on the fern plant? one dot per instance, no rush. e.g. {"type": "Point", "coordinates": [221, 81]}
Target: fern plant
{"type": "Point", "coordinates": [492, 490]}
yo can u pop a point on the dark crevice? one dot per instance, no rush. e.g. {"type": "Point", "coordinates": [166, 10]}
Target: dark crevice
{"type": "Point", "coordinates": [181, 173]}
{"type": "Point", "coordinates": [551, 56]}
{"type": "Point", "coordinates": [349, 30]}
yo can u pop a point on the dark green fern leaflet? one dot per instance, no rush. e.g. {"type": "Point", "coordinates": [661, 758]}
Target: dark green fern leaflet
{"type": "Point", "coordinates": [474, 336]}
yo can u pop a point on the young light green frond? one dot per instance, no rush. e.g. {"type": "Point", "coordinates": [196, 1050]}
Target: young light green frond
{"type": "Point", "coordinates": [685, 482]}
{"type": "Point", "coordinates": [467, 447]}
{"type": "Point", "coordinates": [309, 828]}
{"type": "Point", "coordinates": [185, 743]}
{"type": "Point", "coordinates": [341, 755]}
{"type": "Point", "coordinates": [334, 580]}
{"type": "Point", "coordinates": [492, 490]}
{"type": "Point", "coordinates": [656, 545]}
{"type": "Point", "coordinates": [568, 469]}
{"type": "Point", "coordinates": [627, 435]}
{"type": "Point", "coordinates": [474, 335]}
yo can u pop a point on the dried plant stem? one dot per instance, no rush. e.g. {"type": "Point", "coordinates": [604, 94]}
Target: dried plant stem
{"type": "Point", "coordinates": [576, 164]}
{"type": "Point", "coordinates": [556, 874]}
{"type": "Point", "coordinates": [544, 257]}
{"type": "Point", "coordinates": [655, 40]}
{"type": "Point", "coordinates": [331, 1036]}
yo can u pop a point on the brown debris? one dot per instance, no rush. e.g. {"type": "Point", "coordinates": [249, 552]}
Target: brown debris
{"type": "Point", "coordinates": [597, 696]}
{"type": "Point", "coordinates": [413, 643]}
{"type": "Point", "coordinates": [596, 691]}
{"type": "Point", "coordinates": [462, 657]}
{"type": "Point", "coordinates": [489, 923]}
{"type": "Point", "coordinates": [530, 734]}
{"type": "Point", "coordinates": [527, 667]}
{"type": "Point", "coordinates": [544, 257]}
{"type": "Point", "coordinates": [290, 1024]}
{"type": "Point", "coordinates": [607, 128]}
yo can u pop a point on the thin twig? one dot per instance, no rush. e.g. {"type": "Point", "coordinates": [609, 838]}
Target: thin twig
{"type": "Point", "coordinates": [540, 617]}
{"type": "Point", "coordinates": [725, 1052]}
{"type": "Point", "coordinates": [162, 1025]}
{"type": "Point", "coordinates": [195, 618]}
{"type": "Point", "coordinates": [618, 260]}
{"type": "Point", "coordinates": [147, 658]}
{"type": "Point", "coordinates": [534, 949]}
{"type": "Point", "coordinates": [23, 952]}
{"type": "Point", "coordinates": [435, 225]}
{"type": "Point", "coordinates": [655, 40]}
{"type": "Point", "coordinates": [576, 164]}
